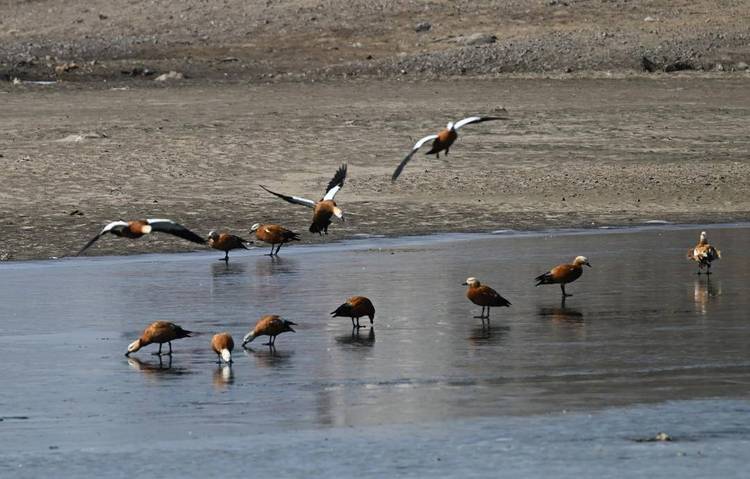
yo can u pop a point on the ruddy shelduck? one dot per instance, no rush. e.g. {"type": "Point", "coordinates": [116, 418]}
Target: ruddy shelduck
{"type": "Point", "coordinates": [703, 253]}
{"type": "Point", "coordinates": [223, 345]}
{"type": "Point", "coordinates": [563, 274]}
{"type": "Point", "coordinates": [274, 235]}
{"type": "Point", "coordinates": [226, 242]}
{"type": "Point", "coordinates": [354, 308]}
{"type": "Point", "coordinates": [158, 332]}
{"type": "Point", "coordinates": [324, 209]}
{"type": "Point", "coordinates": [137, 228]}
{"type": "Point", "coordinates": [443, 140]}
{"type": "Point", "coordinates": [484, 296]}
{"type": "Point", "coordinates": [271, 326]}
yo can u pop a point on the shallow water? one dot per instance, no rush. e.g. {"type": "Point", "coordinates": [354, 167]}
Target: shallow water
{"type": "Point", "coordinates": [644, 345]}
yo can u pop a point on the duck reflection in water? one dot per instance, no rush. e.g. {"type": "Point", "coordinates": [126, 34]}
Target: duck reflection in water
{"type": "Point", "coordinates": [562, 314]}
{"type": "Point", "coordinates": [704, 292]}
{"type": "Point", "coordinates": [269, 358]}
{"type": "Point", "coordinates": [161, 365]}
{"type": "Point", "coordinates": [488, 335]}
{"type": "Point", "coordinates": [227, 269]}
{"type": "Point", "coordinates": [223, 376]}
{"type": "Point", "coordinates": [277, 265]}
{"type": "Point", "coordinates": [357, 339]}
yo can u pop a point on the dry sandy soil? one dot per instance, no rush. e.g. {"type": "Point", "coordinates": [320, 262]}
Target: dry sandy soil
{"type": "Point", "coordinates": [282, 92]}
{"type": "Point", "coordinates": [575, 152]}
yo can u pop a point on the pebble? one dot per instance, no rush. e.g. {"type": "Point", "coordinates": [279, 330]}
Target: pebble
{"type": "Point", "coordinates": [478, 39]}
{"type": "Point", "coordinates": [423, 27]}
{"type": "Point", "coordinates": [173, 75]}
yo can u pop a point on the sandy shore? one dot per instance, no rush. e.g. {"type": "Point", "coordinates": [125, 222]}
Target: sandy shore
{"type": "Point", "coordinates": [575, 152]}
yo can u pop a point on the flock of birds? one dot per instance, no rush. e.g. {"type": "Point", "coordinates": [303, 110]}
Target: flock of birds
{"type": "Point", "coordinates": [324, 210]}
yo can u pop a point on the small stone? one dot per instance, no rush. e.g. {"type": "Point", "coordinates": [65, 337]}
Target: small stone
{"type": "Point", "coordinates": [741, 66]}
{"type": "Point", "coordinates": [423, 27]}
{"type": "Point", "coordinates": [478, 39]}
{"type": "Point", "coordinates": [662, 436]}
{"type": "Point", "coordinates": [173, 75]}
{"type": "Point", "coordinates": [649, 19]}
{"type": "Point", "coordinates": [65, 67]}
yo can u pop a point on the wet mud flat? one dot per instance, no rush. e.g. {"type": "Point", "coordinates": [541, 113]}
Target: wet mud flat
{"type": "Point", "coordinates": [643, 346]}
{"type": "Point", "coordinates": [576, 152]}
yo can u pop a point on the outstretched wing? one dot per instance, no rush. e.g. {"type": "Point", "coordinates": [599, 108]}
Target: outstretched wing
{"type": "Point", "coordinates": [104, 231]}
{"type": "Point", "coordinates": [336, 183]}
{"type": "Point", "coordinates": [292, 199]}
{"type": "Point", "coordinates": [476, 119]}
{"type": "Point", "coordinates": [414, 149]}
{"type": "Point", "coordinates": [176, 229]}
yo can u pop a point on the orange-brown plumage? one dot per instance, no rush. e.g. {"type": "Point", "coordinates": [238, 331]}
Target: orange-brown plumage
{"type": "Point", "coordinates": [484, 296]}
{"type": "Point", "coordinates": [443, 141]}
{"type": "Point", "coordinates": [270, 325]}
{"type": "Point", "coordinates": [563, 274]}
{"type": "Point", "coordinates": [158, 332]}
{"type": "Point", "coordinates": [322, 214]}
{"type": "Point", "coordinates": [223, 345]}
{"type": "Point", "coordinates": [354, 308]}
{"type": "Point", "coordinates": [704, 253]}
{"type": "Point", "coordinates": [226, 242]}
{"type": "Point", "coordinates": [274, 235]}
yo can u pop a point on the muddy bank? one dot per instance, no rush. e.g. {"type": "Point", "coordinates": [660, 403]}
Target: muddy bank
{"type": "Point", "coordinates": [575, 152]}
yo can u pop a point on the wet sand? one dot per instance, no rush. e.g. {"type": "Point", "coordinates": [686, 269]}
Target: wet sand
{"type": "Point", "coordinates": [575, 153]}
{"type": "Point", "coordinates": [644, 345]}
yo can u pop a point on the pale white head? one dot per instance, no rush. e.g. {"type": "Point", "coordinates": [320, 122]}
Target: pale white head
{"type": "Point", "coordinates": [146, 229]}
{"type": "Point", "coordinates": [449, 126]}
{"type": "Point", "coordinates": [213, 235]}
{"type": "Point", "coordinates": [581, 260]}
{"type": "Point", "coordinates": [255, 227]}
{"type": "Point", "coordinates": [248, 338]}
{"type": "Point", "coordinates": [338, 213]}
{"type": "Point", "coordinates": [471, 282]}
{"type": "Point", "coordinates": [134, 346]}
{"type": "Point", "coordinates": [704, 237]}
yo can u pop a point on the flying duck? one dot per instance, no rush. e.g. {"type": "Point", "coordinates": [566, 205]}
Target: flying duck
{"type": "Point", "coordinates": [158, 332]}
{"type": "Point", "coordinates": [137, 228]}
{"type": "Point", "coordinates": [443, 140]}
{"type": "Point", "coordinates": [703, 253]}
{"type": "Point", "coordinates": [563, 274]}
{"type": "Point", "coordinates": [271, 326]}
{"type": "Point", "coordinates": [484, 296]}
{"type": "Point", "coordinates": [223, 345]}
{"type": "Point", "coordinates": [356, 307]}
{"type": "Point", "coordinates": [275, 235]}
{"type": "Point", "coordinates": [324, 209]}
{"type": "Point", "coordinates": [226, 242]}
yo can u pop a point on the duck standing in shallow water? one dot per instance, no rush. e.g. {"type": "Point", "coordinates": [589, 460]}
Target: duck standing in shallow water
{"type": "Point", "coordinates": [226, 242]}
{"type": "Point", "coordinates": [158, 332]}
{"type": "Point", "coordinates": [274, 235]}
{"type": "Point", "coordinates": [223, 345]}
{"type": "Point", "coordinates": [324, 209]}
{"type": "Point", "coordinates": [271, 326]}
{"type": "Point", "coordinates": [356, 307]}
{"type": "Point", "coordinates": [563, 274]}
{"type": "Point", "coordinates": [703, 253]}
{"type": "Point", "coordinates": [485, 297]}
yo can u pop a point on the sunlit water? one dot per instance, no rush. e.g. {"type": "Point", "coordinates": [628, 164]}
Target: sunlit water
{"type": "Point", "coordinates": [552, 389]}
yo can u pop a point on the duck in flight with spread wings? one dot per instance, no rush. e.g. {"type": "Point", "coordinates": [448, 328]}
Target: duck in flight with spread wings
{"type": "Point", "coordinates": [137, 228]}
{"type": "Point", "coordinates": [324, 209]}
{"type": "Point", "coordinates": [443, 140]}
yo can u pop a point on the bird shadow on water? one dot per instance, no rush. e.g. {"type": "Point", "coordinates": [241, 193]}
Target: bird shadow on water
{"type": "Point", "coordinates": [159, 366]}
{"type": "Point", "coordinates": [268, 357]}
{"type": "Point", "coordinates": [357, 338]}
{"type": "Point", "coordinates": [223, 376]}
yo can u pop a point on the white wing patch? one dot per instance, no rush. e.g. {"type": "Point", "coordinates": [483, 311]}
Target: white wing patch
{"type": "Point", "coordinates": [466, 121]}
{"type": "Point", "coordinates": [112, 225]}
{"type": "Point", "coordinates": [424, 140]}
{"type": "Point", "coordinates": [332, 192]}
{"type": "Point", "coordinates": [158, 220]}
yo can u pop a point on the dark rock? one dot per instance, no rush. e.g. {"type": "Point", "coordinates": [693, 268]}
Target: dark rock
{"type": "Point", "coordinates": [423, 27]}
{"type": "Point", "coordinates": [648, 65]}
